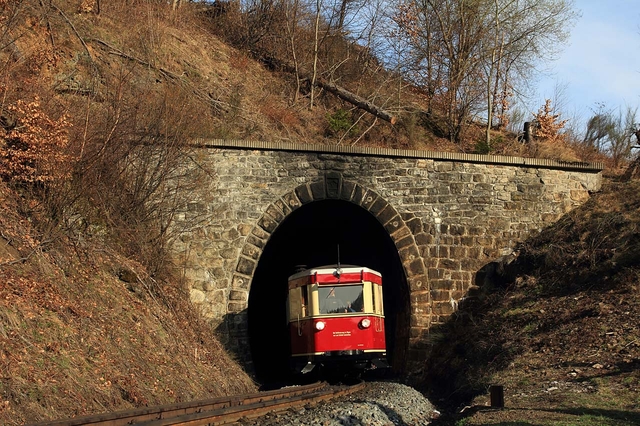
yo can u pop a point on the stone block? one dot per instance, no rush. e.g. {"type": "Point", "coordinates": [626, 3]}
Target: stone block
{"type": "Point", "coordinates": [457, 230]}
{"type": "Point", "coordinates": [386, 214]}
{"type": "Point", "coordinates": [238, 295]}
{"type": "Point", "coordinates": [440, 284]}
{"type": "Point", "coordinates": [434, 274]}
{"type": "Point", "coordinates": [240, 282]}
{"type": "Point", "coordinates": [420, 298]}
{"type": "Point", "coordinates": [424, 238]}
{"type": "Point", "coordinates": [255, 241]}
{"type": "Point", "coordinates": [418, 283]}
{"type": "Point", "coordinates": [291, 200]}
{"type": "Point", "coordinates": [409, 254]}
{"type": "Point", "coordinates": [246, 266]}
{"type": "Point", "coordinates": [244, 229]}
{"type": "Point", "coordinates": [304, 194]}
{"type": "Point", "coordinates": [400, 233]}
{"type": "Point", "coordinates": [358, 194]}
{"type": "Point", "coordinates": [467, 241]}
{"type": "Point", "coordinates": [333, 182]}
{"type": "Point", "coordinates": [378, 206]}
{"type": "Point", "coordinates": [440, 295]}
{"type": "Point", "coordinates": [414, 224]}
{"type": "Point", "coordinates": [394, 225]}
{"type": "Point", "coordinates": [416, 267]}
{"type": "Point", "coordinates": [229, 253]}
{"type": "Point", "coordinates": [268, 224]}
{"type": "Point", "coordinates": [318, 190]}
{"type": "Point", "coordinates": [251, 251]}
{"type": "Point", "coordinates": [233, 307]}
{"type": "Point", "coordinates": [346, 192]}
{"type": "Point", "coordinates": [443, 308]}
{"type": "Point", "coordinates": [275, 213]}
{"type": "Point", "coordinates": [458, 252]}
{"type": "Point", "coordinates": [369, 198]}
{"type": "Point", "coordinates": [196, 296]}
{"type": "Point", "coordinates": [422, 320]}
{"type": "Point", "coordinates": [216, 297]}
{"type": "Point", "coordinates": [444, 167]}
{"type": "Point", "coordinates": [450, 264]}
{"type": "Point", "coordinates": [404, 242]}
{"type": "Point", "coordinates": [471, 264]}
{"type": "Point", "coordinates": [475, 253]}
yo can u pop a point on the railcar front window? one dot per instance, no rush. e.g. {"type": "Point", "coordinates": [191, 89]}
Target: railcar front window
{"type": "Point", "coordinates": [341, 299]}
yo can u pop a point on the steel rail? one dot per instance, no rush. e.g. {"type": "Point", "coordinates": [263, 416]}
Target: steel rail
{"type": "Point", "coordinates": [249, 411]}
{"type": "Point", "coordinates": [165, 412]}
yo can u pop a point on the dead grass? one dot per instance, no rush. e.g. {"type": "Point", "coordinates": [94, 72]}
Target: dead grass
{"type": "Point", "coordinates": [560, 331]}
{"type": "Point", "coordinates": [85, 329]}
{"type": "Point", "coordinates": [77, 339]}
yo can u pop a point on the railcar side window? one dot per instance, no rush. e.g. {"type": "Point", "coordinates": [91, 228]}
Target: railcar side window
{"type": "Point", "coordinates": [304, 298]}
{"type": "Point", "coordinates": [340, 299]}
{"type": "Point", "coordinates": [378, 292]}
{"type": "Point", "coordinates": [298, 303]}
{"type": "Point", "coordinates": [294, 303]}
{"type": "Point", "coordinates": [374, 298]}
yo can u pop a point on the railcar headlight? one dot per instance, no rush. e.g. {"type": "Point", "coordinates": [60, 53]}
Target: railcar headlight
{"type": "Point", "coordinates": [320, 326]}
{"type": "Point", "coordinates": [365, 323]}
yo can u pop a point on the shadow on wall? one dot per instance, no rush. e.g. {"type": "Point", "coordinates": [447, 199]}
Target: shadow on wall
{"type": "Point", "coordinates": [469, 347]}
{"type": "Point", "coordinates": [233, 334]}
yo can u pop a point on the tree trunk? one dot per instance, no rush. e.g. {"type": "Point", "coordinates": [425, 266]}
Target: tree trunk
{"type": "Point", "coordinates": [356, 100]}
{"type": "Point", "coordinates": [340, 92]}
{"type": "Point", "coordinates": [315, 52]}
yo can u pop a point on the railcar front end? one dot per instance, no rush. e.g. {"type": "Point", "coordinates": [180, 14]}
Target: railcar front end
{"type": "Point", "coordinates": [336, 318]}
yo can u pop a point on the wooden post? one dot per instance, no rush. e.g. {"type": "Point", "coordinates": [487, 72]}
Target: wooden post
{"type": "Point", "coordinates": [497, 396]}
{"type": "Point", "coordinates": [527, 131]}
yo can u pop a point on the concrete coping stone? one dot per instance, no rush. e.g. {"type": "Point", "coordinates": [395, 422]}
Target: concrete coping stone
{"type": "Point", "coordinates": [398, 153]}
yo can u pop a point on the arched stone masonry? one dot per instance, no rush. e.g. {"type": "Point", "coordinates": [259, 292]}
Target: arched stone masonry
{"type": "Point", "coordinates": [447, 215]}
{"type": "Point", "coordinates": [333, 187]}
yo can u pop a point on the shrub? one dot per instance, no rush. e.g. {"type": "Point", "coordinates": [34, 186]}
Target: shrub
{"type": "Point", "coordinates": [339, 121]}
{"type": "Point", "coordinates": [32, 149]}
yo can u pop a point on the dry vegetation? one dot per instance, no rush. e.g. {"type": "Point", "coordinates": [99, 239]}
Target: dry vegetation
{"type": "Point", "coordinates": [96, 112]}
{"type": "Point", "coordinates": [84, 330]}
{"type": "Point", "coordinates": [558, 327]}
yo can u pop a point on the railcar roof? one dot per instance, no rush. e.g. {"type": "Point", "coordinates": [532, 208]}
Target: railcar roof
{"type": "Point", "coordinates": [330, 269]}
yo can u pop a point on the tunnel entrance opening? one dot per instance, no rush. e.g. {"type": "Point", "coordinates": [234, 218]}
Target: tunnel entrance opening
{"type": "Point", "coordinates": [311, 236]}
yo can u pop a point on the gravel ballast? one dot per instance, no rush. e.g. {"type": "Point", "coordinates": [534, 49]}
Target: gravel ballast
{"type": "Point", "coordinates": [379, 404]}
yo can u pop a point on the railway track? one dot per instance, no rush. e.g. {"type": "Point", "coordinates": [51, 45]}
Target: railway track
{"type": "Point", "coordinates": [217, 411]}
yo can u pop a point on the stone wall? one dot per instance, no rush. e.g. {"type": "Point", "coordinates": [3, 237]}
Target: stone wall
{"type": "Point", "coordinates": [448, 214]}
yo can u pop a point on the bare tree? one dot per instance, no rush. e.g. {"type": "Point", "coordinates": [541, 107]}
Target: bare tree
{"type": "Point", "coordinates": [475, 50]}
{"type": "Point", "coordinates": [316, 42]}
{"type": "Point", "coordinates": [525, 32]}
{"type": "Point", "coordinates": [613, 133]}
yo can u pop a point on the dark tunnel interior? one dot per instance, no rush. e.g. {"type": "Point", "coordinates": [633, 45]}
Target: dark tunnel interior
{"type": "Point", "coordinates": [313, 236]}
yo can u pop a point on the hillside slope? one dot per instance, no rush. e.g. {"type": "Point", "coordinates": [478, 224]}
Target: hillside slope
{"type": "Point", "coordinates": [86, 330]}
{"type": "Point", "coordinates": [558, 326]}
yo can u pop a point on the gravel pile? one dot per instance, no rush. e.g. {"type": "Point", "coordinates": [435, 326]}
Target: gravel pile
{"type": "Point", "coordinates": [379, 404]}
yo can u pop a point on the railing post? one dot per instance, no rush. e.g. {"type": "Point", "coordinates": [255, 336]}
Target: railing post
{"type": "Point", "coordinates": [497, 396]}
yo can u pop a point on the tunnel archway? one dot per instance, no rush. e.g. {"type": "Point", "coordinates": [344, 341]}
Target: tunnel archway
{"type": "Point", "coordinates": [313, 235]}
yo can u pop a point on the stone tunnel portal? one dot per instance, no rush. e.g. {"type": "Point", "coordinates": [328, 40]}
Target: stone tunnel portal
{"type": "Point", "coordinates": [311, 236]}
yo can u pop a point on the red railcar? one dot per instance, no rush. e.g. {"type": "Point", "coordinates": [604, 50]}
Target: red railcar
{"type": "Point", "coordinates": [336, 318]}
